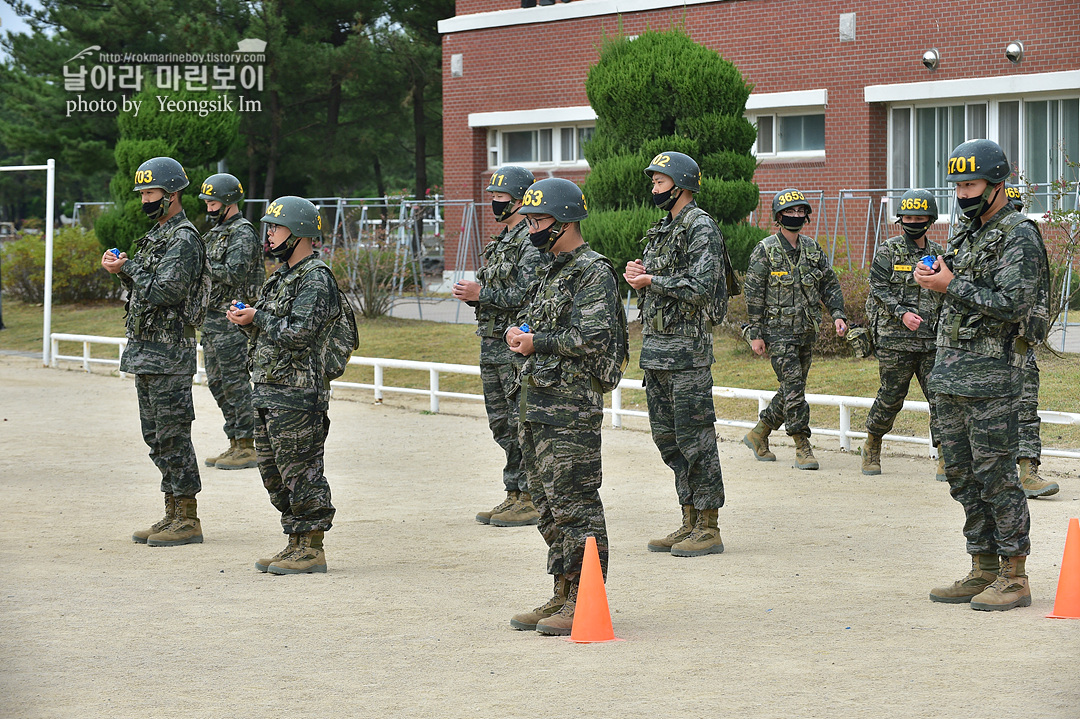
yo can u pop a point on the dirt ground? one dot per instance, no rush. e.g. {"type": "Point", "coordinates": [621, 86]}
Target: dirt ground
{"type": "Point", "coordinates": [818, 608]}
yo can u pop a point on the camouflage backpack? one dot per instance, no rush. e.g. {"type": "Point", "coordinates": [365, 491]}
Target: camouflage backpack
{"type": "Point", "coordinates": [193, 309]}
{"type": "Point", "coordinates": [340, 338]}
{"type": "Point", "coordinates": [608, 368]}
{"type": "Point", "coordinates": [724, 287]}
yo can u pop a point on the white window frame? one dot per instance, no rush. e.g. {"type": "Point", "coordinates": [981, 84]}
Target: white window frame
{"type": "Point", "coordinates": [992, 104]}
{"type": "Point", "coordinates": [798, 103]}
{"type": "Point", "coordinates": [554, 119]}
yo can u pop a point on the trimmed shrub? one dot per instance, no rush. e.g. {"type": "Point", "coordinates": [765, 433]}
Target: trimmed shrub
{"type": "Point", "coordinates": [741, 240]}
{"type": "Point", "coordinates": [617, 234]}
{"type": "Point", "coordinates": [77, 273]}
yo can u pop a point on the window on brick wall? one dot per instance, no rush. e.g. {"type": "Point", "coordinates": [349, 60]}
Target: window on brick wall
{"type": "Point", "coordinates": [795, 136]}
{"type": "Point", "coordinates": [538, 146]}
{"type": "Point", "coordinates": [1036, 135]}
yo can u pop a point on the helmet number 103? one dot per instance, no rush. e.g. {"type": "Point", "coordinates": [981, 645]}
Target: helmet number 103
{"type": "Point", "coordinates": [961, 164]}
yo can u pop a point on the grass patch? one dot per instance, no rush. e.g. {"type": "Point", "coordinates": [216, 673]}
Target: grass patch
{"type": "Point", "coordinates": [736, 365]}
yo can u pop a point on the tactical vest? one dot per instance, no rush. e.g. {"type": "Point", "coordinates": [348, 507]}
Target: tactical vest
{"type": "Point", "coordinates": [553, 308]}
{"type": "Point", "coordinates": [273, 364]}
{"type": "Point", "coordinates": [172, 324]}
{"type": "Point", "coordinates": [218, 241]}
{"type": "Point", "coordinates": [925, 303]}
{"type": "Point", "coordinates": [792, 298]}
{"type": "Point", "coordinates": [963, 327]}
{"type": "Point", "coordinates": [665, 255]}
{"type": "Point", "coordinates": [502, 258]}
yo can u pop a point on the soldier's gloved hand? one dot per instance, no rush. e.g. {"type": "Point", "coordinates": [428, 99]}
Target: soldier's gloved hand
{"type": "Point", "coordinates": [841, 328]}
{"type": "Point", "coordinates": [911, 320]}
{"type": "Point", "coordinates": [758, 346]}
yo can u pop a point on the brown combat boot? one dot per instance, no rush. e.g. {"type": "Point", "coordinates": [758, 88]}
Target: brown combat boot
{"type": "Point", "coordinates": [804, 453]}
{"type": "Point", "coordinates": [306, 558]}
{"type": "Point", "coordinates": [1008, 591]}
{"type": "Point", "coordinates": [561, 622]}
{"type": "Point", "coordinates": [141, 535]}
{"type": "Point", "coordinates": [705, 539]}
{"type": "Point", "coordinates": [263, 564]}
{"type": "Point", "coordinates": [211, 461]}
{"type": "Point", "coordinates": [184, 529]}
{"type": "Point", "coordinates": [940, 476]}
{"type": "Point", "coordinates": [485, 517]}
{"type": "Point", "coordinates": [242, 456]}
{"type": "Point", "coordinates": [1034, 485]}
{"type": "Point", "coordinates": [689, 517]}
{"type": "Point", "coordinates": [519, 514]}
{"type": "Point", "coordinates": [871, 455]}
{"type": "Point", "coordinates": [979, 578]}
{"type": "Point", "coordinates": [757, 440]}
{"type": "Point", "coordinates": [526, 621]}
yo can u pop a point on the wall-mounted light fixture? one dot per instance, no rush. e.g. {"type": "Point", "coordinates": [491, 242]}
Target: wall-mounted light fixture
{"type": "Point", "coordinates": [1014, 51]}
{"type": "Point", "coordinates": [931, 58]}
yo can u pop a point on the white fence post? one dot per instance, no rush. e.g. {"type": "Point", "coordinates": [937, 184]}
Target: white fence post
{"type": "Point", "coordinates": [845, 427]}
{"type": "Point", "coordinates": [378, 383]}
{"type": "Point", "coordinates": [616, 407]}
{"type": "Point", "coordinates": [434, 374]}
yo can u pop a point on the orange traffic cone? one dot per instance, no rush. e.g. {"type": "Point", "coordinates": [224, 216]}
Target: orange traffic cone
{"type": "Point", "coordinates": [1067, 603]}
{"type": "Point", "coordinates": [592, 618]}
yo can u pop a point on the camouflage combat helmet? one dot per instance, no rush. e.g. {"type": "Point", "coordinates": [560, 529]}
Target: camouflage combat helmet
{"type": "Point", "coordinates": [511, 179]}
{"type": "Point", "coordinates": [554, 196]}
{"type": "Point", "coordinates": [1015, 197]}
{"type": "Point", "coordinates": [786, 199]}
{"type": "Point", "coordinates": [299, 215]}
{"type": "Point", "coordinates": [679, 167]}
{"type": "Point", "coordinates": [223, 188]}
{"type": "Point", "coordinates": [978, 160]}
{"type": "Point", "coordinates": [918, 202]}
{"type": "Point", "coordinates": [163, 173]}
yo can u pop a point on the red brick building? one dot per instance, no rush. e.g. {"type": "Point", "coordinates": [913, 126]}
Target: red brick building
{"type": "Point", "coordinates": [846, 96]}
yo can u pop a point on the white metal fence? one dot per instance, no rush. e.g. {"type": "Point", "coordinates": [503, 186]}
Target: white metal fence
{"type": "Point", "coordinates": [617, 411]}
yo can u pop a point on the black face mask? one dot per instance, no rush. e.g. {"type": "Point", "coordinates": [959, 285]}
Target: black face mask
{"type": "Point", "coordinates": [545, 238]}
{"type": "Point", "coordinates": [157, 209]}
{"type": "Point", "coordinates": [284, 251]}
{"type": "Point", "coordinates": [664, 200]}
{"type": "Point", "coordinates": [974, 207]}
{"type": "Point", "coordinates": [501, 209]}
{"type": "Point", "coordinates": [214, 216]}
{"type": "Point", "coordinates": [793, 223]}
{"type": "Point", "coordinates": [915, 230]}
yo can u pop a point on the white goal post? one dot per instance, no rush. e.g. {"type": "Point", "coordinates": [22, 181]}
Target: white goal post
{"type": "Point", "coordinates": [50, 197]}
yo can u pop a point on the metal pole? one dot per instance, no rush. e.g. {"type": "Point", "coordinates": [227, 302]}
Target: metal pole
{"type": "Point", "coordinates": [46, 331]}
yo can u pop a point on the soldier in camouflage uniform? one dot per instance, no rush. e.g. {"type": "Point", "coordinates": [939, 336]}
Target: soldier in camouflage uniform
{"type": "Point", "coordinates": [287, 326]}
{"type": "Point", "coordinates": [903, 320]}
{"type": "Point", "coordinates": [504, 283]}
{"type": "Point", "coordinates": [570, 330]}
{"type": "Point", "coordinates": [236, 264]}
{"type": "Point", "coordinates": [787, 280]}
{"type": "Point", "coordinates": [995, 305]}
{"type": "Point", "coordinates": [683, 264]}
{"type": "Point", "coordinates": [1028, 422]}
{"type": "Point", "coordinates": [167, 283]}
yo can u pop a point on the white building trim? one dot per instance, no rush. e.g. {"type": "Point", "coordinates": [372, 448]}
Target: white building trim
{"type": "Point", "coordinates": [778, 100]}
{"type": "Point", "coordinates": [540, 116]}
{"type": "Point", "coordinates": [974, 87]}
{"type": "Point", "coordinates": [559, 11]}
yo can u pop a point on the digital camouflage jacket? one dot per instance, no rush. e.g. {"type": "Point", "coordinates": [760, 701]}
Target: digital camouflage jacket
{"type": "Point", "coordinates": [681, 255]}
{"type": "Point", "coordinates": [162, 279]}
{"type": "Point", "coordinates": [573, 318]}
{"type": "Point", "coordinates": [893, 291]}
{"type": "Point", "coordinates": [784, 297]}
